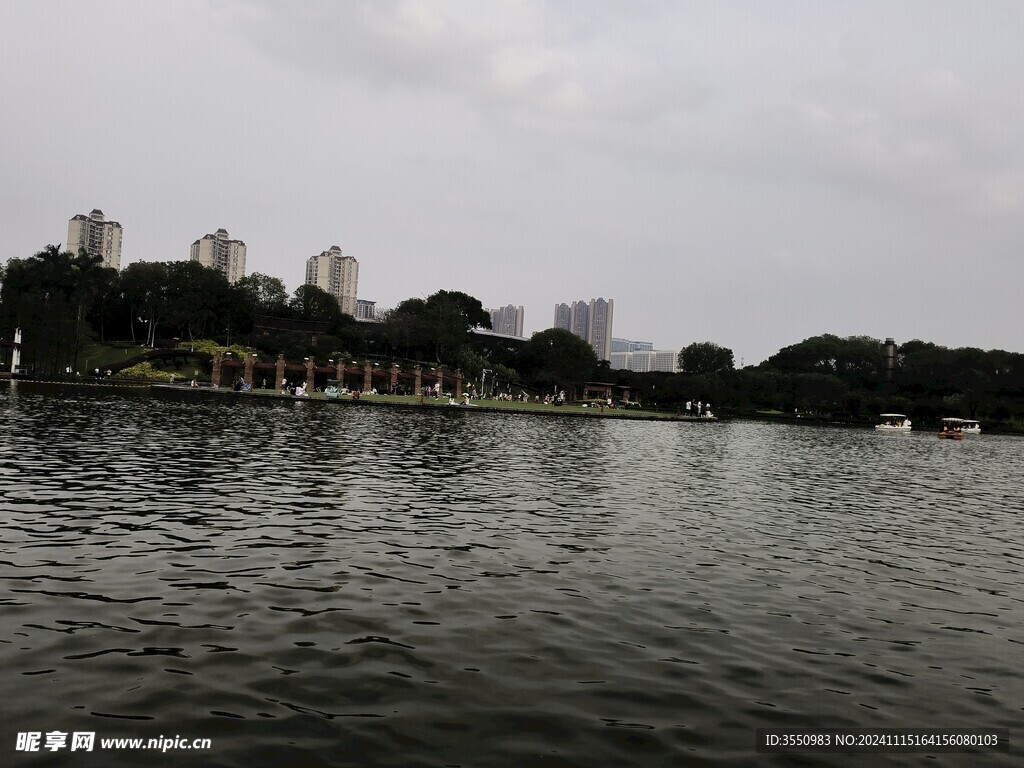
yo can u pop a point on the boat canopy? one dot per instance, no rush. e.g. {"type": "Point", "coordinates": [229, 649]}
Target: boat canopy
{"type": "Point", "coordinates": [953, 420]}
{"type": "Point", "coordinates": [893, 415]}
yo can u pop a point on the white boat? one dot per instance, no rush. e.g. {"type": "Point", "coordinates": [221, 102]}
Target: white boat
{"type": "Point", "coordinates": [952, 428]}
{"type": "Point", "coordinates": [966, 426]}
{"type": "Point", "coordinates": [894, 422]}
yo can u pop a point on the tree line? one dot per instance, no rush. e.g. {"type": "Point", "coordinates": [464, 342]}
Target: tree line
{"type": "Point", "coordinates": [64, 302]}
{"type": "Point", "coordinates": [850, 379]}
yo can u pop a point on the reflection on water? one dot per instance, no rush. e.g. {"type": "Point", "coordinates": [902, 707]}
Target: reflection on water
{"type": "Point", "coordinates": [313, 584]}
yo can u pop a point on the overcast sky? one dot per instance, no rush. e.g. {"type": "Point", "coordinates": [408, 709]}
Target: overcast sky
{"type": "Point", "coordinates": [748, 173]}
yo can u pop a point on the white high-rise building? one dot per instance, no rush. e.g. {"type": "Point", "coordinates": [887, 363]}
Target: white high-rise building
{"type": "Point", "coordinates": [647, 360]}
{"type": "Point", "coordinates": [507, 320]}
{"type": "Point", "coordinates": [220, 252]}
{"type": "Point", "coordinates": [336, 273]}
{"type": "Point", "coordinates": [98, 236]}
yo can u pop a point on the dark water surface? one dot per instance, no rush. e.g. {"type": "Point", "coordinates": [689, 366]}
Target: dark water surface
{"type": "Point", "coordinates": [309, 584]}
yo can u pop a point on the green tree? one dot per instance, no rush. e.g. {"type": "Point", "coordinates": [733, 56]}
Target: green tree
{"type": "Point", "coordinates": [858, 360]}
{"type": "Point", "coordinates": [49, 296]}
{"type": "Point", "coordinates": [449, 316]}
{"type": "Point", "coordinates": [267, 295]}
{"type": "Point", "coordinates": [405, 329]}
{"type": "Point", "coordinates": [312, 303]}
{"type": "Point", "coordinates": [704, 357]}
{"type": "Point", "coordinates": [88, 280]}
{"type": "Point", "coordinates": [436, 328]}
{"type": "Point", "coordinates": [144, 285]}
{"type": "Point", "coordinates": [556, 358]}
{"type": "Point", "coordinates": [195, 295]}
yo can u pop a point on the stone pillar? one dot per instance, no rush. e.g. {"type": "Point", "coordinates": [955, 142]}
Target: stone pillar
{"type": "Point", "coordinates": [250, 360]}
{"type": "Point", "coordinates": [339, 374]}
{"type": "Point", "coordinates": [394, 377]}
{"type": "Point", "coordinates": [458, 383]}
{"type": "Point", "coordinates": [417, 388]}
{"type": "Point", "coordinates": [310, 374]}
{"type": "Point", "coordinates": [16, 351]}
{"type": "Point", "coordinates": [215, 374]}
{"type": "Point", "coordinates": [367, 376]}
{"type": "Point", "coordinates": [279, 376]}
{"type": "Point", "coordinates": [890, 357]}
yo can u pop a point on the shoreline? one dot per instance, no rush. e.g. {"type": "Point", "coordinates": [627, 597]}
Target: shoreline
{"type": "Point", "coordinates": [386, 401]}
{"type": "Point", "coordinates": [413, 401]}
{"type": "Point", "coordinates": [483, 406]}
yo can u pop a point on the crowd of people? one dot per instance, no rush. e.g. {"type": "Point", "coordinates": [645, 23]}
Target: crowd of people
{"type": "Point", "coordinates": [557, 397]}
{"type": "Point", "coordinates": [699, 408]}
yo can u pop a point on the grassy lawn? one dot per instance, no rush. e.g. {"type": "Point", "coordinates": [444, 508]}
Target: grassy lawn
{"type": "Point", "coordinates": [100, 356]}
{"type": "Point", "coordinates": [116, 353]}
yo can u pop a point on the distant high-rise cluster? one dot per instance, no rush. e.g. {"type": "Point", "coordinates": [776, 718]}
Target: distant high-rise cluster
{"type": "Point", "coordinates": [220, 252]}
{"type": "Point", "coordinates": [336, 273]}
{"type": "Point", "coordinates": [641, 356]}
{"type": "Point", "coordinates": [332, 271]}
{"type": "Point", "coordinates": [507, 320]}
{"type": "Point", "coordinates": [625, 345]}
{"type": "Point", "coordinates": [98, 236]}
{"type": "Point", "coordinates": [591, 321]}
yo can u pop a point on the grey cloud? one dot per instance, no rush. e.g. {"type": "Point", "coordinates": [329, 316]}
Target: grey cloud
{"type": "Point", "coordinates": [536, 65]}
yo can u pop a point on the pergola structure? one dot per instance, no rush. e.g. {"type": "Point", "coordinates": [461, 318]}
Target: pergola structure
{"type": "Point", "coordinates": [227, 369]}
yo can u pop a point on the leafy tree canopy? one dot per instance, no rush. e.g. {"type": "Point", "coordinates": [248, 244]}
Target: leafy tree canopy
{"type": "Point", "coordinates": [312, 303]}
{"type": "Point", "coordinates": [556, 358]}
{"type": "Point", "coordinates": [266, 294]}
{"type": "Point", "coordinates": [855, 357]}
{"type": "Point", "coordinates": [704, 357]}
{"type": "Point", "coordinates": [435, 328]}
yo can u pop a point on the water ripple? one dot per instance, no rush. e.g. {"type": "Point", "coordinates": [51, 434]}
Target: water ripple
{"type": "Point", "coordinates": [451, 588]}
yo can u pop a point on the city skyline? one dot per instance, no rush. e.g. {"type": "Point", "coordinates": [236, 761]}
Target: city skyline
{"type": "Point", "coordinates": [590, 321]}
{"type": "Point", "coordinates": [741, 174]}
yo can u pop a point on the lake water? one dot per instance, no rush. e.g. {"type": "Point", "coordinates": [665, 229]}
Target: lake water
{"type": "Point", "coordinates": [312, 584]}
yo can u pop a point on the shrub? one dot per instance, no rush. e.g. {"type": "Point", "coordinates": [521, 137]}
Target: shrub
{"type": "Point", "coordinates": [208, 347]}
{"type": "Point", "coordinates": [144, 371]}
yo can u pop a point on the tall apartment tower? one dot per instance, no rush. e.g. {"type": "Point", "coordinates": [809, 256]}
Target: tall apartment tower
{"type": "Point", "coordinates": [591, 321]}
{"type": "Point", "coordinates": [579, 319]}
{"type": "Point", "coordinates": [98, 236]}
{"type": "Point", "coordinates": [573, 317]}
{"type": "Point", "coordinates": [599, 327]}
{"type": "Point", "coordinates": [507, 320]}
{"type": "Point", "coordinates": [220, 252]}
{"type": "Point", "coordinates": [337, 274]}
{"type": "Point", "coordinates": [563, 317]}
